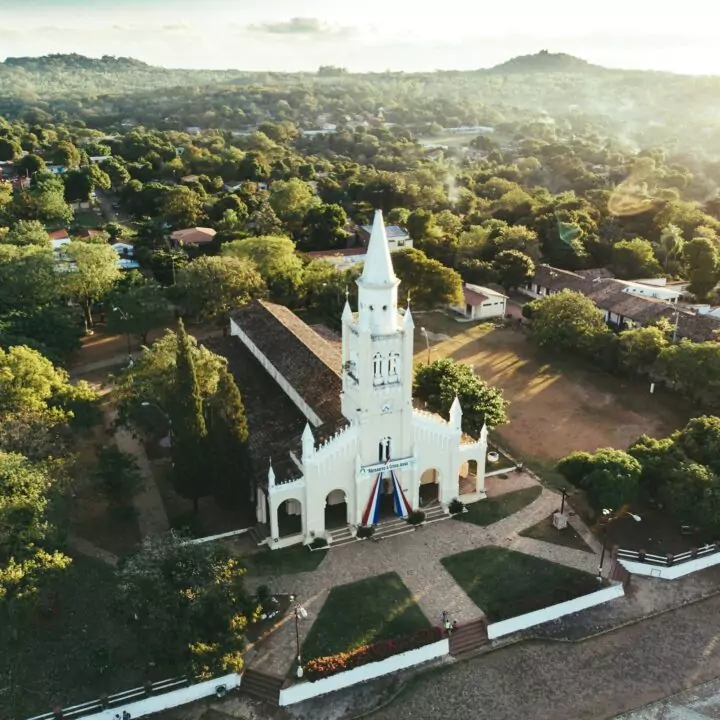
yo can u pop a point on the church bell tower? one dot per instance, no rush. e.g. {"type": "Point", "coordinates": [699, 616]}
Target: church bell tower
{"type": "Point", "coordinates": [377, 357]}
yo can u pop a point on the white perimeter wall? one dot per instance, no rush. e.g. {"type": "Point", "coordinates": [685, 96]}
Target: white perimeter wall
{"type": "Point", "coordinates": [671, 572]}
{"type": "Point", "coordinates": [166, 701]}
{"type": "Point", "coordinates": [304, 691]}
{"type": "Point", "coordinates": [521, 622]}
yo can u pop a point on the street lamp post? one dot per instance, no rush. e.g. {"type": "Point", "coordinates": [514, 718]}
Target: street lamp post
{"type": "Point", "coordinates": [126, 318]}
{"type": "Point", "coordinates": [562, 502]}
{"type": "Point", "coordinates": [300, 612]}
{"type": "Point", "coordinates": [427, 343]}
{"type": "Point", "coordinates": [611, 518]}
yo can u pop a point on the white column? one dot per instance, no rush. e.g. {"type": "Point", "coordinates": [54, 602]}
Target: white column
{"type": "Point", "coordinates": [274, 531]}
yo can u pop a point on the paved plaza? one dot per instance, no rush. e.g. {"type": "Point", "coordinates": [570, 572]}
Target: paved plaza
{"type": "Point", "coordinates": [416, 558]}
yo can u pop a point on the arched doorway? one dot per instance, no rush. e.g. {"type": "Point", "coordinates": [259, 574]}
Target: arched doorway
{"type": "Point", "coordinates": [429, 486]}
{"type": "Point", "coordinates": [290, 521]}
{"type": "Point", "coordinates": [467, 478]}
{"type": "Point", "coordinates": [336, 510]}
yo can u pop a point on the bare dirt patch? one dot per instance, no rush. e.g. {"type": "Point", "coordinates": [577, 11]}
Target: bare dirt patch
{"type": "Point", "coordinates": [556, 405]}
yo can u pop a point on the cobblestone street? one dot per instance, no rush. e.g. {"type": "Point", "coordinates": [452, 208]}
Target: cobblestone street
{"type": "Point", "coordinates": [590, 680]}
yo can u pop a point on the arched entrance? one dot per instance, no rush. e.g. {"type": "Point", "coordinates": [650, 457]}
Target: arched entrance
{"type": "Point", "coordinates": [336, 510]}
{"type": "Point", "coordinates": [289, 515]}
{"type": "Point", "coordinates": [467, 478]}
{"type": "Point", "coordinates": [429, 486]}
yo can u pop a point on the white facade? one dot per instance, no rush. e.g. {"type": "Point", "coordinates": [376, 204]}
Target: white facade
{"type": "Point", "coordinates": [385, 434]}
{"type": "Point", "coordinates": [482, 303]}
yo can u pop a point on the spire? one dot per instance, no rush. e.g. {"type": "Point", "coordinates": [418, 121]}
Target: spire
{"type": "Point", "coordinates": [308, 442]}
{"type": "Point", "coordinates": [456, 414]}
{"type": "Point", "coordinates": [408, 318]}
{"type": "Point", "coordinates": [347, 315]}
{"type": "Point", "coordinates": [271, 475]}
{"type": "Point", "coordinates": [378, 268]}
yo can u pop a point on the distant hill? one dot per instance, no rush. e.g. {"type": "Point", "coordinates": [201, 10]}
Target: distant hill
{"type": "Point", "coordinates": [545, 62]}
{"type": "Point", "coordinates": [73, 61]}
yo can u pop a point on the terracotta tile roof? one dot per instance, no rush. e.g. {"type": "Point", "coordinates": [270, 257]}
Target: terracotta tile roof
{"type": "Point", "coordinates": [477, 294]}
{"type": "Point", "coordinates": [330, 335]}
{"type": "Point", "coordinates": [194, 236]}
{"type": "Point", "coordinates": [556, 279]}
{"type": "Point", "coordinates": [58, 234]}
{"type": "Point", "coordinates": [275, 424]}
{"type": "Point", "coordinates": [306, 360]}
{"type": "Point", "coordinates": [593, 273]}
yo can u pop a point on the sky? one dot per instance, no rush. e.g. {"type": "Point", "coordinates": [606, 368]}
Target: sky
{"type": "Point", "coordinates": [366, 35]}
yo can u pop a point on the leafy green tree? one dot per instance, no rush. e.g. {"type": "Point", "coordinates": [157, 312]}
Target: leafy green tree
{"type": "Point", "coordinates": [700, 441]}
{"type": "Point", "coordinates": [91, 272]}
{"type": "Point", "coordinates": [188, 426]}
{"type": "Point", "coordinates": [634, 259]}
{"type": "Point", "coordinates": [28, 232]}
{"type": "Point", "coordinates": [438, 383]}
{"type": "Point", "coordinates": [78, 186]}
{"type": "Point", "coordinates": [670, 248]}
{"type": "Point", "coordinates": [324, 227]}
{"type": "Point", "coordinates": [9, 149]}
{"type": "Point", "coordinates": [420, 223]}
{"type": "Point", "coordinates": [116, 172]}
{"type": "Point", "coordinates": [657, 457]}
{"type": "Point", "coordinates": [45, 201]}
{"type": "Point", "coordinates": [141, 305]}
{"type": "Point", "coordinates": [639, 348]}
{"type": "Point", "coordinates": [429, 283]}
{"type": "Point", "coordinates": [264, 221]}
{"type": "Point", "coordinates": [514, 268]}
{"type": "Point", "coordinates": [703, 265]}
{"type": "Point", "coordinates": [276, 261]}
{"type": "Point", "coordinates": [28, 546]}
{"type": "Point", "coordinates": [28, 277]}
{"type": "Point", "coordinates": [66, 154]}
{"type": "Point", "coordinates": [687, 494]}
{"type": "Point", "coordinates": [29, 165]}
{"type": "Point", "coordinates": [692, 369]}
{"type": "Point", "coordinates": [291, 200]}
{"type": "Point", "coordinates": [188, 605]}
{"type": "Point", "coordinates": [566, 321]}
{"type": "Point", "coordinates": [609, 477]}
{"type": "Point", "coordinates": [182, 207]}
{"type": "Point", "coordinates": [210, 287]}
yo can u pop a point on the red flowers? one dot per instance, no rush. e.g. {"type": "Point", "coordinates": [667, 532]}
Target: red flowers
{"type": "Point", "coordinates": [333, 664]}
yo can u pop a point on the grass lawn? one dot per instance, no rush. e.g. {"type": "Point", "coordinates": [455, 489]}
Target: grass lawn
{"type": "Point", "coordinates": [487, 512]}
{"type": "Point", "coordinates": [545, 531]}
{"type": "Point", "coordinates": [504, 583]}
{"type": "Point", "coordinates": [74, 652]}
{"type": "Point", "coordinates": [286, 561]}
{"type": "Point", "coordinates": [377, 608]}
{"type": "Point", "coordinates": [88, 218]}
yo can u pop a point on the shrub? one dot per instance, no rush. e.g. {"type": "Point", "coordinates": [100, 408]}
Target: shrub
{"type": "Point", "coordinates": [263, 594]}
{"type": "Point", "coordinates": [333, 664]}
{"type": "Point", "coordinates": [318, 543]}
{"type": "Point", "coordinates": [365, 531]}
{"type": "Point", "coordinates": [416, 517]}
{"type": "Point", "coordinates": [456, 506]}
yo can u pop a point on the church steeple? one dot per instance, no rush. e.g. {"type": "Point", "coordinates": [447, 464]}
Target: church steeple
{"type": "Point", "coordinates": [378, 268]}
{"type": "Point", "coordinates": [378, 284]}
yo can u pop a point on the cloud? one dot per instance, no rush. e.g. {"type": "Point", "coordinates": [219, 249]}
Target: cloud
{"type": "Point", "coordinates": [304, 27]}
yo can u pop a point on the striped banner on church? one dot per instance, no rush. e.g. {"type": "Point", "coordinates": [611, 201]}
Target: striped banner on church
{"type": "Point", "coordinates": [372, 511]}
{"type": "Point", "coordinates": [402, 506]}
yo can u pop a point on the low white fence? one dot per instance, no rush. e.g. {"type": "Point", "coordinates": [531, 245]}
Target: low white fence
{"type": "Point", "coordinates": [306, 690]}
{"type": "Point", "coordinates": [211, 538]}
{"type": "Point", "coordinates": [669, 567]}
{"type": "Point", "coordinates": [120, 708]}
{"type": "Point", "coordinates": [537, 617]}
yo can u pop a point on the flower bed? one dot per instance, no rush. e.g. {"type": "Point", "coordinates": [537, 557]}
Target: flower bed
{"type": "Point", "coordinates": [333, 664]}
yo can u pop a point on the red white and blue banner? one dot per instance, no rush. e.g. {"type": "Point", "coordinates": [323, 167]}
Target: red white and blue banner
{"type": "Point", "coordinates": [372, 510]}
{"type": "Point", "coordinates": [402, 506]}
{"type": "Point", "coordinates": [371, 516]}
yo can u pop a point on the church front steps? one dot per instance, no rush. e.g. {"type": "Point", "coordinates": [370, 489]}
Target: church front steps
{"type": "Point", "coordinates": [261, 686]}
{"type": "Point", "coordinates": [258, 534]}
{"type": "Point", "coordinates": [468, 638]}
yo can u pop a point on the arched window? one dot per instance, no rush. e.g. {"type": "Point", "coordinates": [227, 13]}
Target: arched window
{"type": "Point", "coordinates": [384, 449]}
{"type": "Point", "coordinates": [378, 369]}
{"type": "Point", "coordinates": [393, 363]}
{"type": "Point", "coordinates": [387, 448]}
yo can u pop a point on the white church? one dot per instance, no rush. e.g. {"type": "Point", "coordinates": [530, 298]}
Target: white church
{"type": "Point", "coordinates": [366, 454]}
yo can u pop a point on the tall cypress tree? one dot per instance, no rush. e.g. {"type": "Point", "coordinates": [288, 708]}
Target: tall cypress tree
{"type": "Point", "coordinates": [228, 442]}
{"type": "Point", "coordinates": [188, 426]}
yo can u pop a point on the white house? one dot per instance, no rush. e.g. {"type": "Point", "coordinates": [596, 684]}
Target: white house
{"type": "Point", "coordinates": [482, 303]}
{"type": "Point", "coordinates": [366, 451]}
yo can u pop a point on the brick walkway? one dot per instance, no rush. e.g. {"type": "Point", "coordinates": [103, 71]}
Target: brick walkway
{"type": "Point", "coordinates": [416, 558]}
